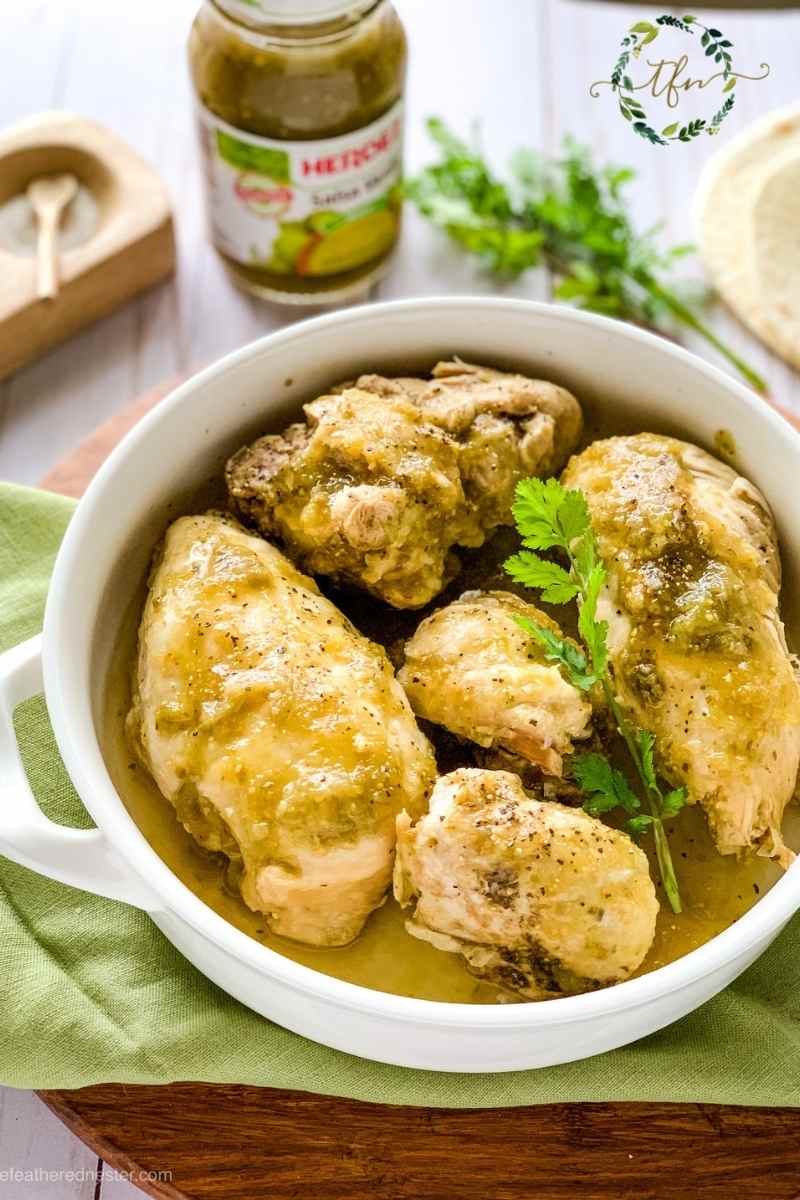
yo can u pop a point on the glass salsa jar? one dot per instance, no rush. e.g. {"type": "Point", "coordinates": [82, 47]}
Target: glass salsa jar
{"type": "Point", "coordinates": [300, 113]}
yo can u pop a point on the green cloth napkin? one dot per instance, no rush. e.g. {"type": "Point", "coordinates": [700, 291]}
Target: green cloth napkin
{"type": "Point", "coordinates": [91, 992]}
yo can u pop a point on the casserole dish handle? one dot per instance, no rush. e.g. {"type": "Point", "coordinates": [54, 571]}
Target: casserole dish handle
{"type": "Point", "coordinates": [82, 858]}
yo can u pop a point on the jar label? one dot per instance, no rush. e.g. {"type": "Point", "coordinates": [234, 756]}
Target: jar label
{"type": "Point", "coordinates": [311, 208]}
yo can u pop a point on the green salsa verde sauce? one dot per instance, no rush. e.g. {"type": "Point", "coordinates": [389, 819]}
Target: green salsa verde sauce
{"type": "Point", "coordinates": [331, 214]}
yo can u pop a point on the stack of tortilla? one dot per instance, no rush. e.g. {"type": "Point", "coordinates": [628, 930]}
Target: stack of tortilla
{"type": "Point", "coordinates": [747, 213]}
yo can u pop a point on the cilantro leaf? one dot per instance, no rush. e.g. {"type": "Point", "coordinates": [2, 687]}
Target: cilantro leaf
{"type": "Point", "coordinates": [568, 213]}
{"type": "Point", "coordinates": [534, 572]}
{"type": "Point", "coordinates": [674, 801]}
{"type": "Point", "coordinates": [595, 579]}
{"type": "Point", "coordinates": [645, 743]}
{"type": "Point", "coordinates": [638, 824]}
{"type": "Point", "coordinates": [595, 636]}
{"type": "Point", "coordinates": [446, 140]}
{"type": "Point", "coordinates": [671, 803]}
{"type": "Point", "coordinates": [536, 506]}
{"type": "Point", "coordinates": [562, 651]}
{"type": "Point", "coordinates": [584, 552]}
{"type": "Point", "coordinates": [547, 515]}
{"type": "Point", "coordinates": [607, 787]}
{"type": "Point", "coordinates": [594, 632]}
{"type": "Point", "coordinates": [573, 517]}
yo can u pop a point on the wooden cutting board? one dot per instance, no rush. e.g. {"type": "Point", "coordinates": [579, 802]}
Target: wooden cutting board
{"type": "Point", "coordinates": [195, 1141]}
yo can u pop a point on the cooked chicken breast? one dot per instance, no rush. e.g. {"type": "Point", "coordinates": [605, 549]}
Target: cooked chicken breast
{"type": "Point", "coordinates": [696, 640]}
{"type": "Point", "coordinates": [387, 476]}
{"type": "Point", "coordinates": [539, 898]}
{"type": "Point", "coordinates": [277, 731]}
{"type": "Point", "coordinates": [471, 668]}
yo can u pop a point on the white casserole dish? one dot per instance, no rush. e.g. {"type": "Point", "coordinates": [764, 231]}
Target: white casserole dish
{"type": "Point", "coordinates": [149, 479]}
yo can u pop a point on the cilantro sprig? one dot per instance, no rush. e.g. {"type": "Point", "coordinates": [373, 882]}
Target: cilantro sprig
{"type": "Point", "coordinates": [548, 517]}
{"type": "Point", "coordinates": [569, 215]}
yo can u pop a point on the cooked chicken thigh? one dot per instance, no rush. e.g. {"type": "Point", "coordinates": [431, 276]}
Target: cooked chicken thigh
{"type": "Point", "coordinates": [508, 426]}
{"type": "Point", "coordinates": [386, 476]}
{"type": "Point", "coordinates": [276, 730]}
{"type": "Point", "coordinates": [539, 898]}
{"type": "Point", "coordinates": [471, 668]}
{"type": "Point", "coordinates": [367, 492]}
{"type": "Point", "coordinates": [695, 636]}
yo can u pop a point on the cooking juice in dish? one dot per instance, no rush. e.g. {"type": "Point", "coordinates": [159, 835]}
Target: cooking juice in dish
{"type": "Point", "coordinates": [716, 889]}
{"type": "Point", "coordinates": [300, 117]}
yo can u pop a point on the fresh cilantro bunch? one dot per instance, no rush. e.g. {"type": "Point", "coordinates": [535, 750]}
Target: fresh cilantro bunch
{"type": "Point", "coordinates": [568, 215]}
{"type": "Point", "coordinates": [548, 517]}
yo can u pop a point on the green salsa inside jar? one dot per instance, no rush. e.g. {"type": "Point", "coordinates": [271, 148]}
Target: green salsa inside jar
{"type": "Point", "coordinates": [300, 117]}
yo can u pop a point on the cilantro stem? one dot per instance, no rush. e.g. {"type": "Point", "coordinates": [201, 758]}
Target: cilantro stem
{"type": "Point", "coordinates": [683, 313]}
{"type": "Point", "coordinates": [654, 800]}
{"type": "Point", "coordinates": [548, 516]}
{"type": "Point", "coordinates": [651, 790]}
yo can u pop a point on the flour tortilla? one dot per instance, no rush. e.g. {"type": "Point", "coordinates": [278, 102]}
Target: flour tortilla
{"type": "Point", "coordinates": [747, 215]}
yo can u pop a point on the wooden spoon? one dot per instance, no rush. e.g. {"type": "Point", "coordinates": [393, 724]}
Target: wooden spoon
{"type": "Point", "coordinates": [49, 196]}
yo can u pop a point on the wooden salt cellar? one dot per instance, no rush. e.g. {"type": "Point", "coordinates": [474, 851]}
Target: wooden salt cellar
{"type": "Point", "coordinates": [132, 245]}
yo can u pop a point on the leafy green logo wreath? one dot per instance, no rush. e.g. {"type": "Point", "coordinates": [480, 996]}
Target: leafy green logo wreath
{"type": "Point", "coordinates": [717, 48]}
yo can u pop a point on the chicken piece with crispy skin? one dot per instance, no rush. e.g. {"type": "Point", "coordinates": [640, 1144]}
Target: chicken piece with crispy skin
{"type": "Point", "coordinates": [696, 640]}
{"type": "Point", "coordinates": [542, 899]}
{"type": "Point", "coordinates": [387, 476]}
{"type": "Point", "coordinates": [470, 667]}
{"type": "Point", "coordinates": [277, 731]}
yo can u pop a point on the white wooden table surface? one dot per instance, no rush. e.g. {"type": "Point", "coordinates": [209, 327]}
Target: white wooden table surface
{"type": "Point", "coordinates": [522, 66]}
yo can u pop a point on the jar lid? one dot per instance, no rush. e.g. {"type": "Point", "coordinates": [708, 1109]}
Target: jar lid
{"type": "Point", "coordinates": [293, 12]}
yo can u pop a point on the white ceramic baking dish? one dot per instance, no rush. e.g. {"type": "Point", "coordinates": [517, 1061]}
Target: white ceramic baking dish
{"type": "Point", "coordinates": [150, 477]}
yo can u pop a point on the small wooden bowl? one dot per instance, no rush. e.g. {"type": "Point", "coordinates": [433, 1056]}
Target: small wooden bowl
{"type": "Point", "coordinates": [131, 247]}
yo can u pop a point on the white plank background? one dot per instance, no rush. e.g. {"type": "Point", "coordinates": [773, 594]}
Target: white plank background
{"type": "Point", "coordinates": [522, 66]}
